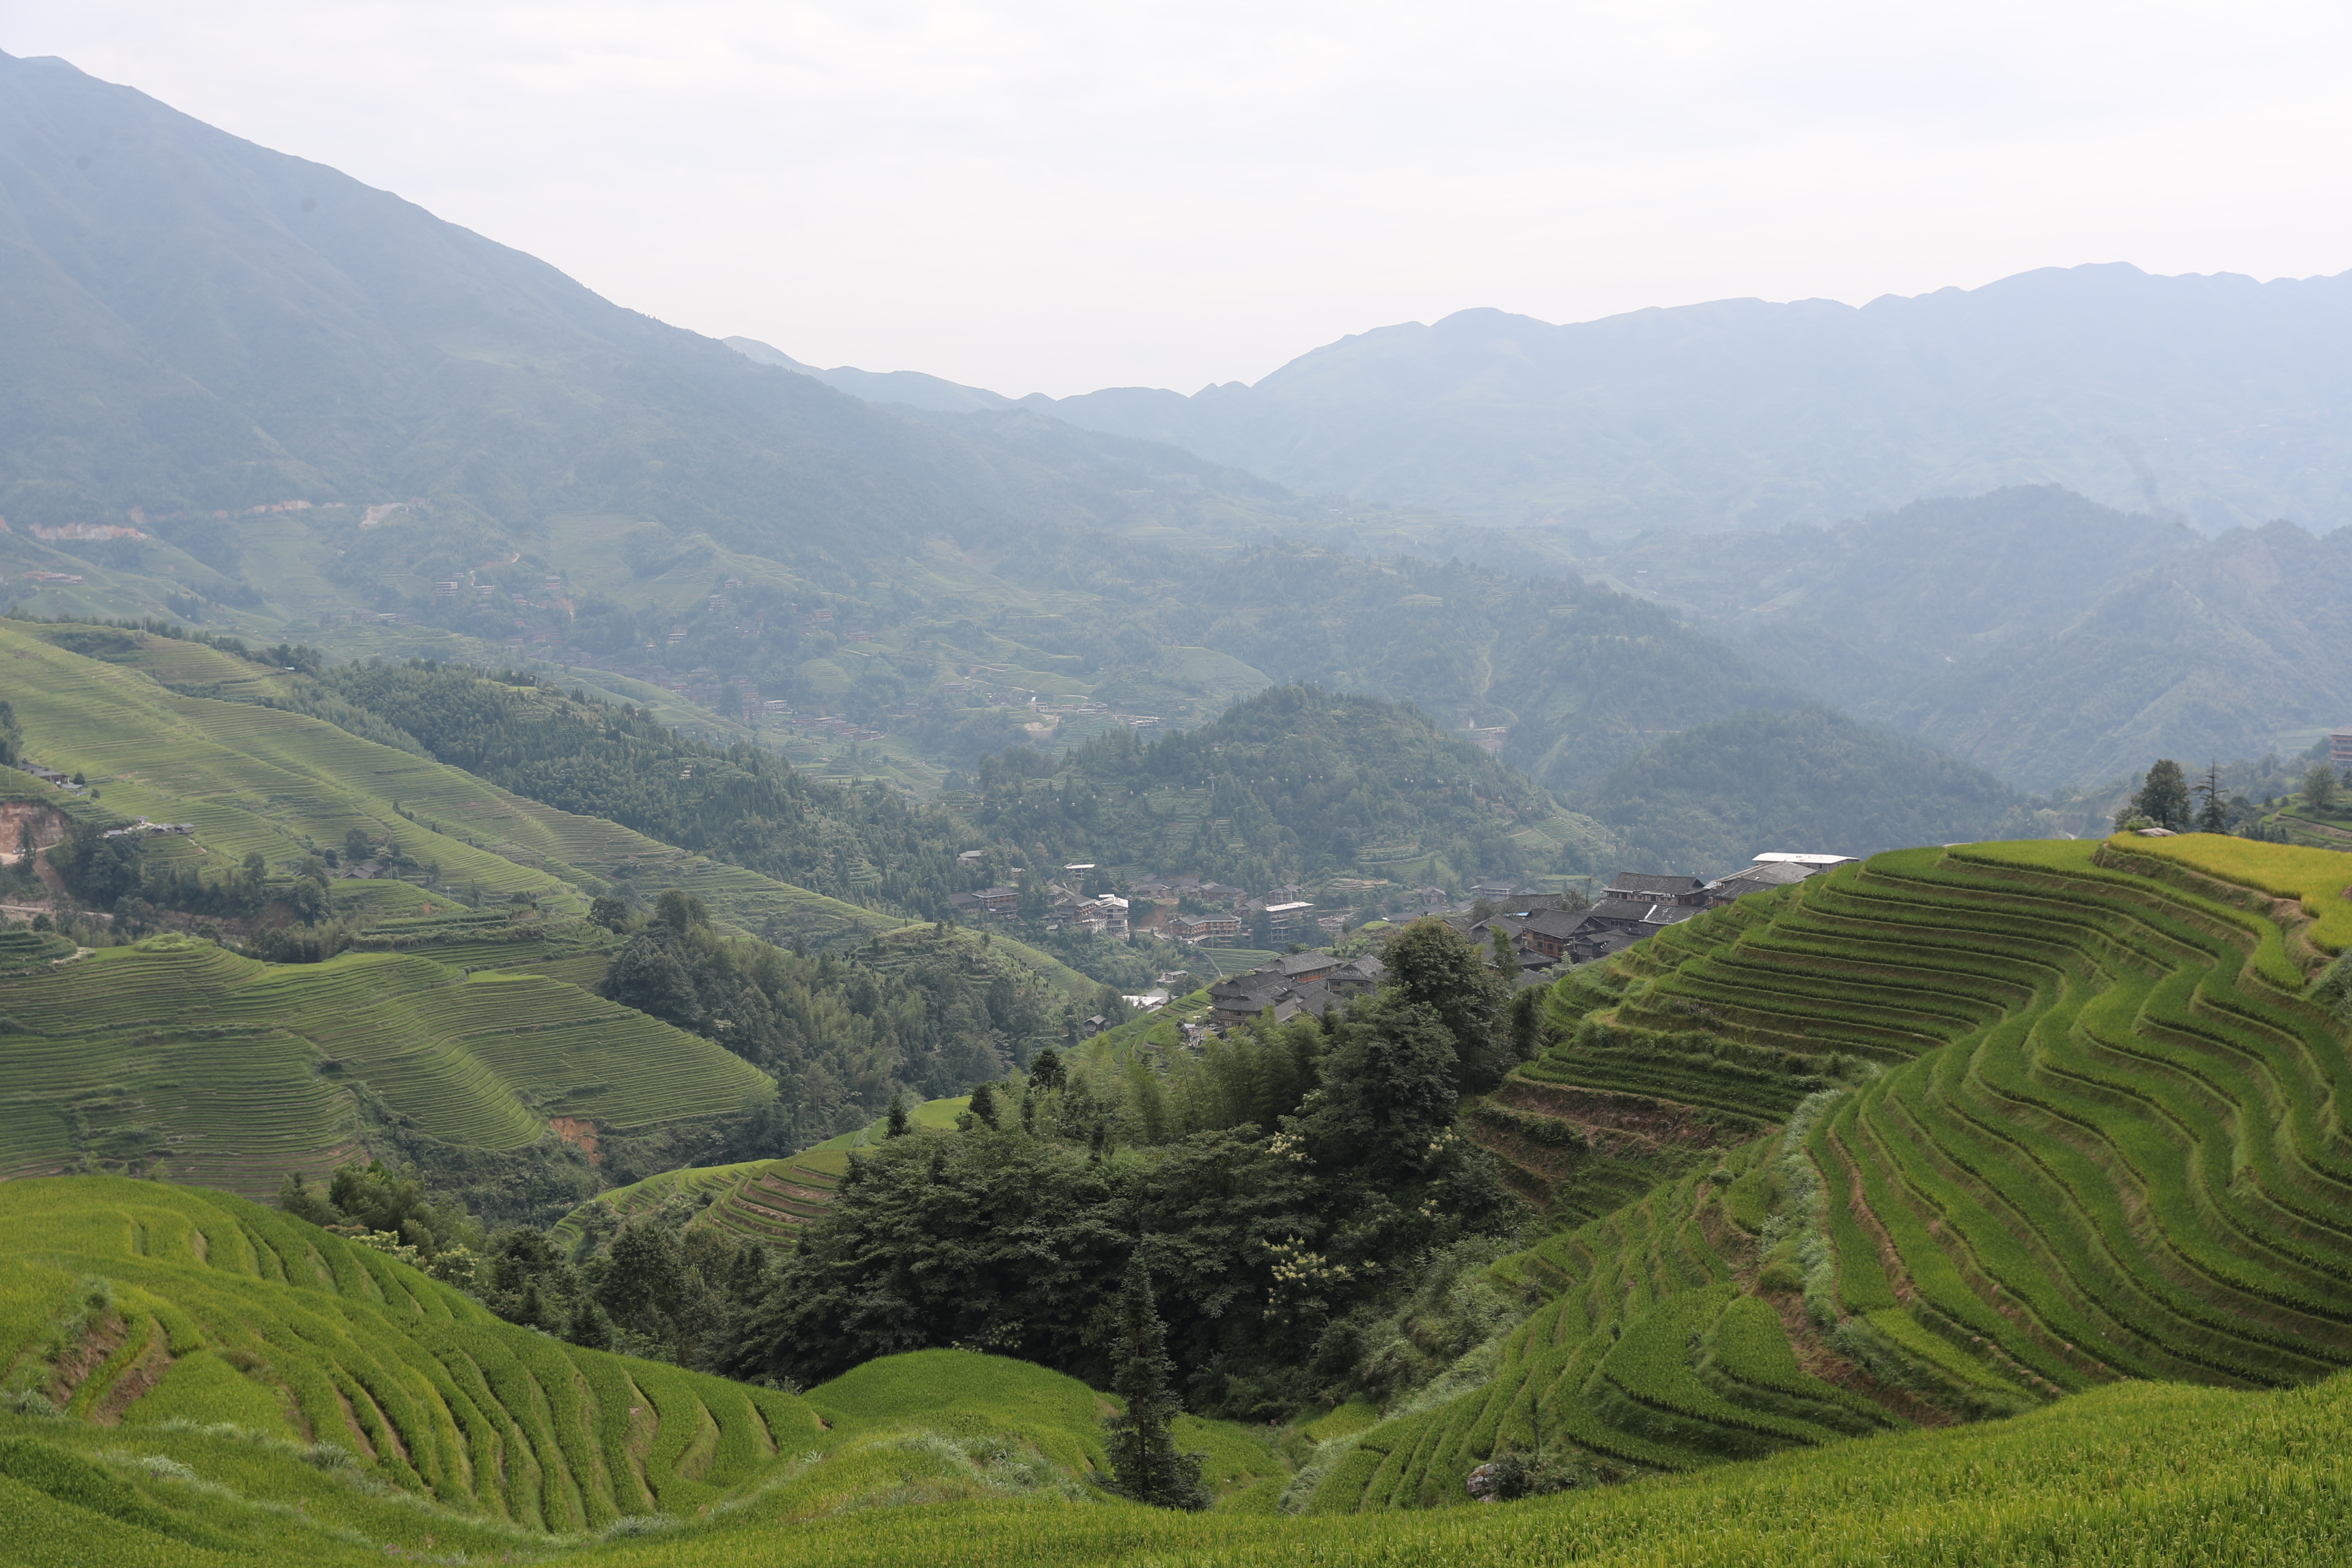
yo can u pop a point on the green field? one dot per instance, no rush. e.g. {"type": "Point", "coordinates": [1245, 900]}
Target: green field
{"type": "Point", "coordinates": [190, 1060]}
{"type": "Point", "coordinates": [239, 1388]}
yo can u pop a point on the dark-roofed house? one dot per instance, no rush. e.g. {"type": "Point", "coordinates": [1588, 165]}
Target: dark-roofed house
{"type": "Point", "coordinates": [1548, 931]}
{"type": "Point", "coordinates": [1312, 983]}
{"type": "Point", "coordinates": [1597, 942]}
{"type": "Point", "coordinates": [1297, 968]}
{"type": "Point", "coordinates": [1653, 888]}
{"type": "Point", "coordinates": [1242, 997]}
{"type": "Point", "coordinates": [1759, 878]}
{"type": "Point", "coordinates": [1357, 976]}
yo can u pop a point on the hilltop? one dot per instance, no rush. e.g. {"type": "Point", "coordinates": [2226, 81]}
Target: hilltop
{"type": "Point", "coordinates": [1705, 800]}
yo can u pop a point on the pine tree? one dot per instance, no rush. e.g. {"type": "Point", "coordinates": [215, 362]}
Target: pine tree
{"type": "Point", "coordinates": [2213, 816]}
{"type": "Point", "coordinates": [984, 1105]}
{"type": "Point", "coordinates": [1506, 963]}
{"type": "Point", "coordinates": [1048, 1072]}
{"type": "Point", "coordinates": [897, 1128]}
{"type": "Point", "coordinates": [1145, 1465]}
{"type": "Point", "coordinates": [589, 1326]}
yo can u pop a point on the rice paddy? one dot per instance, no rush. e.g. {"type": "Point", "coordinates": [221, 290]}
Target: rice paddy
{"type": "Point", "coordinates": [767, 1201]}
{"type": "Point", "coordinates": [243, 1388]}
{"type": "Point", "coordinates": [2049, 1125]}
{"type": "Point", "coordinates": [180, 1057]}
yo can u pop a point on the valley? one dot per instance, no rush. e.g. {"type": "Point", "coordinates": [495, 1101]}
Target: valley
{"type": "Point", "coordinates": [1717, 935]}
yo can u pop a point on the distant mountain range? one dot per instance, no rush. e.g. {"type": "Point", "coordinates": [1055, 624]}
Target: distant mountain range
{"type": "Point", "coordinates": [2049, 640]}
{"type": "Point", "coordinates": [2219, 399]}
{"type": "Point", "coordinates": [225, 365]}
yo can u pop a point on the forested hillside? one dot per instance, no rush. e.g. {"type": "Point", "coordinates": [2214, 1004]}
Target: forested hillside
{"type": "Point", "coordinates": [276, 403]}
{"type": "Point", "coordinates": [1296, 783]}
{"type": "Point", "coordinates": [2049, 640]}
{"type": "Point", "coordinates": [1711, 799]}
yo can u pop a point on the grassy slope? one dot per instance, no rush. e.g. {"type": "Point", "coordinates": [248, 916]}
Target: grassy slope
{"type": "Point", "coordinates": [2134, 1474]}
{"type": "Point", "coordinates": [233, 1072]}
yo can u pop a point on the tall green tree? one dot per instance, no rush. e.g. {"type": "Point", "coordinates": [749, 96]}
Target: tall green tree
{"type": "Point", "coordinates": [2319, 789]}
{"type": "Point", "coordinates": [1145, 1464]}
{"type": "Point", "coordinates": [2213, 807]}
{"type": "Point", "coordinates": [1389, 1090]}
{"type": "Point", "coordinates": [1434, 966]}
{"type": "Point", "coordinates": [1505, 961]}
{"type": "Point", "coordinates": [2163, 797]}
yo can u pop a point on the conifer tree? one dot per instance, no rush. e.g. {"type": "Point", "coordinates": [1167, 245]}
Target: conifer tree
{"type": "Point", "coordinates": [2213, 814]}
{"type": "Point", "coordinates": [1145, 1465]}
{"type": "Point", "coordinates": [589, 1326]}
{"type": "Point", "coordinates": [897, 1128]}
{"type": "Point", "coordinates": [1506, 963]}
{"type": "Point", "coordinates": [984, 1105]}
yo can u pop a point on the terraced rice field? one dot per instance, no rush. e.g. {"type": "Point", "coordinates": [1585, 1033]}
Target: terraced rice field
{"type": "Point", "coordinates": [253, 779]}
{"type": "Point", "coordinates": [213, 1068]}
{"type": "Point", "coordinates": [240, 1388]}
{"type": "Point", "coordinates": [257, 779]}
{"type": "Point", "coordinates": [228, 1312]}
{"type": "Point", "coordinates": [2054, 1125]}
{"type": "Point", "coordinates": [772, 1204]}
{"type": "Point", "coordinates": [767, 1201]}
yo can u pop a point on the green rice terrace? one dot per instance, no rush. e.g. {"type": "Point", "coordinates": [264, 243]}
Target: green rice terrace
{"type": "Point", "coordinates": [169, 730]}
{"type": "Point", "coordinates": [2047, 1123]}
{"type": "Point", "coordinates": [1984, 1203]}
{"type": "Point", "coordinates": [222, 1071]}
{"type": "Point", "coordinates": [193, 1380]}
{"type": "Point", "coordinates": [766, 1201]}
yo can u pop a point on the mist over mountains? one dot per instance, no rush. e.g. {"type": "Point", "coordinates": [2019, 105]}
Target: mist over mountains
{"type": "Point", "coordinates": [2218, 398]}
{"type": "Point", "coordinates": [203, 329]}
{"type": "Point", "coordinates": [197, 323]}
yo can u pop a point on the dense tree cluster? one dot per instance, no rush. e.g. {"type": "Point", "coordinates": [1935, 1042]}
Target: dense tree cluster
{"type": "Point", "coordinates": [839, 1034]}
{"type": "Point", "coordinates": [1278, 1197]}
{"type": "Point", "coordinates": [1305, 783]}
{"type": "Point", "coordinates": [741, 804]}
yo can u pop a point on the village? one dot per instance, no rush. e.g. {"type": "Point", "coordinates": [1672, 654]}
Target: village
{"type": "Point", "coordinates": [1543, 933]}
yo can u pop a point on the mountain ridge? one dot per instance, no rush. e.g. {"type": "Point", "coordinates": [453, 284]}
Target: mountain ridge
{"type": "Point", "coordinates": [2206, 395]}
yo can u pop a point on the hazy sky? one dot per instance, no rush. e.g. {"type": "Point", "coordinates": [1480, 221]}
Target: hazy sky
{"type": "Point", "coordinates": [1055, 197]}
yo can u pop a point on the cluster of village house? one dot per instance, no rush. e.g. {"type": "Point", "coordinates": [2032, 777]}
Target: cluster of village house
{"type": "Point", "coordinates": [1225, 912]}
{"type": "Point", "coordinates": [1541, 933]}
